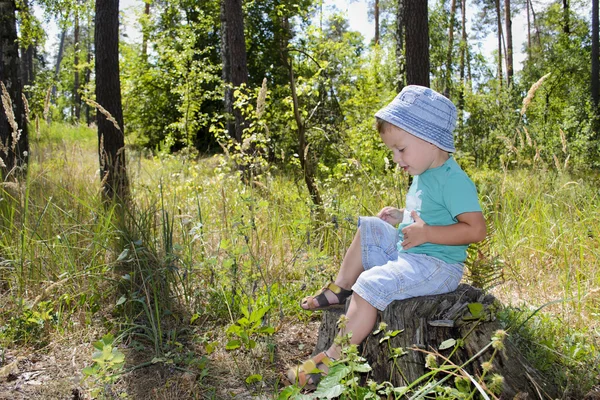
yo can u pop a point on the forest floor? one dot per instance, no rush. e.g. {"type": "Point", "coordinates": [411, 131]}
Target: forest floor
{"type": "Point", "coordinates": [55, 371]}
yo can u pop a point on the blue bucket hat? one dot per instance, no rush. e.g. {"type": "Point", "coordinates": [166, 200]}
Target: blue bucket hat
{"type": "Point", "coordinates": [424, 113]}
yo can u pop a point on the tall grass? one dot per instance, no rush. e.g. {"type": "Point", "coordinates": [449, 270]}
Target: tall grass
{"type": "Point", "coordinates": [198, 251]}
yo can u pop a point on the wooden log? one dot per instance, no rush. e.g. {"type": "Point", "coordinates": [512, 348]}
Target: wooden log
{"type": "Point", "coordinates": [467, 314]}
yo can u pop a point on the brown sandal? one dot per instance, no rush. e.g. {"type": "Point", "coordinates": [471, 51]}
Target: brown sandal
{"type": "Point", "coordinates": [323, 301]}
{"type": "Point", "coordinates": [308, 374]}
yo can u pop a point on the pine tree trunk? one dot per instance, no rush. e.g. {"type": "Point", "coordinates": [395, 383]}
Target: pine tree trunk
{"type": "Point", "coordinates": [376, 17]}
{"type": "Point", "coordinates": [233, 53]}
{"type": "Point", "coordinates": [448, 82]}
{"type": "Point", "coordinates": [13, 127]}
{"type": "Point", "coordinates": [400, 59]}
{"type": "Point", "coordinates": [566, 22]}
{"type": "Point", "coordinates": [595, 77]}
{"type": "Point", "coordinates": [499, 21]}
{"type": "Point", "coordinates": [76, 96]}
{"type": "Point", "coordinates": [145, 31]}
{"type": "Point", "coordinates": [417, 42]}
{"type": "Point", "coordinates": [463, 51]}
{"type": "Point", "coordinates": [427, 322]}
{"type": "Point", "coordinates": [509, 43]}
{"type": "Point", "coordinates": [111, 140]}
{"type": "Point", "coordinates": [528, 30]}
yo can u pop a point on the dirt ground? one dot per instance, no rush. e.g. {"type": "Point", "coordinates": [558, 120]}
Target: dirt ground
{"type": "Point", "coordinates": [54, 372]}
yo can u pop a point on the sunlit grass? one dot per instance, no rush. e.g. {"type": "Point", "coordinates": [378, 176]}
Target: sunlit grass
{"type": "Point", "coordinates": [222, 247]}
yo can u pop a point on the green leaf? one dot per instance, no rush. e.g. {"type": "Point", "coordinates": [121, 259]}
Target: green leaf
{"type": "Point", "coordinates": [254, 378]}
{"type": "Point", "coordinates": [288, 392]}
{"type": "Point", "coordinates": [121, 300]}
{"type": "Point", "coordinates": [258, 314]}
{"type": "Point", "coordinates": [97, 356]}
{"type": "Point", "coordinates": [269, 330]}
{"type": "Point", "coordinates": [210, 347]}
{"type": "Point", "coordinates": [233, 344]}
{"type": "Point", "coordinates": [235, 330]}
{"type": "Point", "coordinates": [446, 344]}
{"type": "Point", "coordinates": [362, 367]}
{"type": "Point", "coordinates": [117, 357]}
{"type": "Point", "coordinates": [91, 370]}
{"type": "Point", "coordinates": [123, 255]}
{"type": "Point", "coordinates": [476, 309]}
{"type": "Point", "coordinates": [323, 391]}
{"type": "Point", "coordinates": [394, 333]}
{"type": "Point", "coordinates": [194, 318]}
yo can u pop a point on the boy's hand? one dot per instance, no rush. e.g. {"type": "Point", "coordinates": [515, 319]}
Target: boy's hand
{"type": "Point", "coordinates": [414, 234]}
{"type": "Point", "coordinates": [391, 215]}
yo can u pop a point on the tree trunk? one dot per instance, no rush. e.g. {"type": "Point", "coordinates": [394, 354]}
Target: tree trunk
{"type": "Point", "coordinates": [448, 82]}
{"type": "Point", "coordinates": [59, 56]}
{"type": "Point", "coordinates": [14, 143]}
{"type": "Point", "coordinates": [145, 31]}
{"type": "Point", "coordinates": [27, 73]}
{"type": "Point", "coordinates": [537, 29]}
{"type": "Point", "coordinates": [303, 153]}
{"type": "Point", "coordinates": [400, 59]}
{"type": "Point", "coordinates": [499, 20]}
{"type": "Point", "coordinates": [463, 50]}
{"type": "Point", "coordinates": [76, 95]}
{"type": "Point", "coordinates": [528, 30]}
{"type": "Point", "coordinates": [88, 72]}
{"type": "Point", "coordinates": [235, 68]}
{"type": "Point", "coordinates": [417, 42]}
{"type": "Point", "coordinates": [111, 141]}
{"type": "Point", "coordinates": [566, 22]}
{"type": "Point", "coordinates": [595, 78]}
{"type": "Point", "coordinates": [426, 322]}
{"type": "Point", "coordinates": [509, 43]}
{"type": "Point", "coordinates": [376, 17]}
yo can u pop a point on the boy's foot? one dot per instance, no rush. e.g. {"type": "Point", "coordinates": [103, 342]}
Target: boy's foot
{"type": "Point", "coordinates": [308, 374]}
{"type": "Point", "coordinates": [331, 296]}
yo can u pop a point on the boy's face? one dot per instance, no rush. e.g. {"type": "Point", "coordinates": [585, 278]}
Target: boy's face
{"type": "Point", "coordinates": [411, 153]}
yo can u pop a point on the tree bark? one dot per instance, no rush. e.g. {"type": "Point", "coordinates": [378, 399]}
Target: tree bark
{"type": "Point", "coordinates": [566, 17]}
{"type": "Point", "coordinates": [509, 43]}
{"type": "Point", "coordinates": [400, 59]}
{"type": "Point", "coordinates": [448, 83]}
{"type": "Point", "coordinates": [235, 68]}
{"type": "Point", "coordinates": [499, 20]}
{"type": "Point", "coordinates": [14, 143]}
{"type": "Point", "coordinates": [145, 30]}
{"type": "Point", "coordinates": [27, 73]}
{"type": "Point", "coordinates": [76, 95]}
{"type": "Point", "coordinates": [463, 50]}
{"type": "Point", "coordinates": [59, 56]}
{"type": "Point", "coordinates": [376, 17]}
{"type": "Point", "coordinates": [595, 77]}
{"type": "Point", "coordinates": [417, 42]}
{"type": "Point", "coordinates": [303, 153]}
{"type": "Point", "coordinates": [528, 30]}
{"type": "Point", "coordinates": [426, 322]}
{"type": "Point", "coordinates": [111, 140]}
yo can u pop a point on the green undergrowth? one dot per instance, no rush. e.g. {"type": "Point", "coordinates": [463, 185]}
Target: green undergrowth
{"type": "Point", "coordinates": [200, 266]}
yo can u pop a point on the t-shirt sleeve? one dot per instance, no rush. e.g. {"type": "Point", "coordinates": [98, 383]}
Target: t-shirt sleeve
{"type": "Point", "coordinates": [460, 195]}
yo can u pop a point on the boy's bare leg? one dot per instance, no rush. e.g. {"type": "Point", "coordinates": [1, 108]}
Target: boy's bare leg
{"type": "Point", "coordinates": [361, 317]}
{"type": "Point", "coordinates": [351, 268]}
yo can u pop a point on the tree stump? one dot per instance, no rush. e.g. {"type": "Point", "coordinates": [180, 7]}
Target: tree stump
{"type": "Point", "coordinates": [427, 322]}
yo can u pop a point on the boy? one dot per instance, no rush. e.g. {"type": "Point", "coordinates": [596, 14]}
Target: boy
{"type": "Point", "coordinates": [425, 254]}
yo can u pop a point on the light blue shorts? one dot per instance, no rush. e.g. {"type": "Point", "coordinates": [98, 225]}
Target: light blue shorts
{"type": "Point", "coordinates": [390, 275]}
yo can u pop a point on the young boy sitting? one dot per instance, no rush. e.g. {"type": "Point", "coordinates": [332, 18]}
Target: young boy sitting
{"type": "Point", "coordinates": [424, 255]}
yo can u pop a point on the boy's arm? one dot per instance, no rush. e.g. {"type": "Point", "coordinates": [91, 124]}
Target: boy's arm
{"type": "Point", "coordinates": [470, 228]}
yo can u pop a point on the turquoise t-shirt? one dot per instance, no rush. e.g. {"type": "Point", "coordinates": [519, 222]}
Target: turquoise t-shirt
{"type": "Point", "coordinates": [439, 195]}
